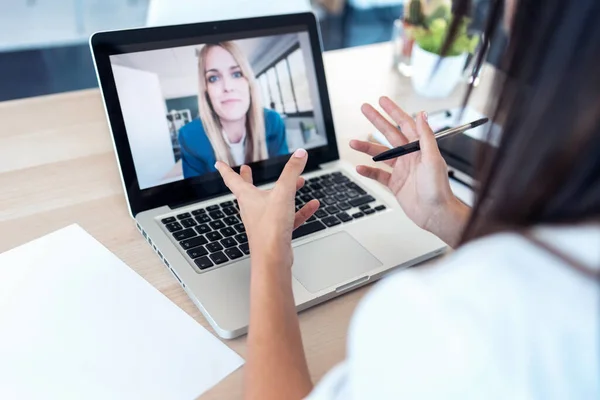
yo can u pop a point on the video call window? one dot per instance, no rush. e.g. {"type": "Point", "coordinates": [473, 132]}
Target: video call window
{"type": "Point", "coordinates": [238, 101]}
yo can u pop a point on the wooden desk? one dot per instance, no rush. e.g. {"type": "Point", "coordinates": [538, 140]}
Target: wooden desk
{"type": "Point", "coordinates": [57, 168]}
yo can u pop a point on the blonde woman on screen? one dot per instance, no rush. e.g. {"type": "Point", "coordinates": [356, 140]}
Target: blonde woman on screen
{"type": "Point", "coordinates": [233, 126]}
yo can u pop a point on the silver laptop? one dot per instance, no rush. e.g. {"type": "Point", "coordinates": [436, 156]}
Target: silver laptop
{"type": "Point", "coordinates": [174, 98]}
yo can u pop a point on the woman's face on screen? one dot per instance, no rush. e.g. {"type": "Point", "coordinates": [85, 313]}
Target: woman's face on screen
{"type": "Point", "coordinates": [227, 87]}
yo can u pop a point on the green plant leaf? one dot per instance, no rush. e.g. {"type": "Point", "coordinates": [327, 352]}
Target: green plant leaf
{"type": "Point", "coordinates": [432, 38]}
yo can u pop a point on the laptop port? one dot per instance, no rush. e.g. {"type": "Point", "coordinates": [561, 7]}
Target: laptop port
{"type": "Point", "coordinates": [175, 275]}
{"type": "Point", "coordinates": [160, 255]}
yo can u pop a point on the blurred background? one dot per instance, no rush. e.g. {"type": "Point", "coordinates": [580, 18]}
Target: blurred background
{"type": "Point", "coordinates": [43, 43]}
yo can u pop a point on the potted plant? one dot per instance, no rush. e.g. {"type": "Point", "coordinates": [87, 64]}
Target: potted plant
{"type": "Point", "coordinates": [416, 13]}
{"type": "Point", "coordinates": [429, 36]}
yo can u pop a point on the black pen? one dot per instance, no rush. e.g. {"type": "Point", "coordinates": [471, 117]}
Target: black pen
{"type": "Point", "coordinates": [414, 146]}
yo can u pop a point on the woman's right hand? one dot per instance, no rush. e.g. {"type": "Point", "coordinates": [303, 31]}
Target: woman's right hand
{"type": "Point", "coordinates": [419, 180]}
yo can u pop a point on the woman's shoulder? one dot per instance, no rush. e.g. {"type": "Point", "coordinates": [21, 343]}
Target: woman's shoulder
{"type": "Point", "coordinates": [272, 117]}
{"type": "Point", "coordinates": [192, 129]}
{"type": "Point", "coordinates": [482, 306]}
{"type": "Point", "coordinates": [501, 262]}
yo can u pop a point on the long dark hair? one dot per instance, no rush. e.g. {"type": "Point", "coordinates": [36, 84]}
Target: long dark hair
{"type": "Point", "coordinates": [546, 169]}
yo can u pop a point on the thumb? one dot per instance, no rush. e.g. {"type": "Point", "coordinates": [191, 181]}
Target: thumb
{"type": "Point", "coordinates": [427, 142]}
{"type": "Point", "coordinates": [292, 170]}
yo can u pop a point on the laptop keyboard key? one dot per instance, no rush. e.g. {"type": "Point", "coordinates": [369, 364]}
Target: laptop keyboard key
{"type": "Point", "coordinates": [204, 228]}
{"type": "Point", "coordinates": [245, 248]}
{"type": "Point", "coordinates": [198, 212]}
{"type": "Point", "coordinates": [230, 211]}
{"type": "Point", "coordinates": [344, 206]}
{"type": "Point", "coordinates": [359, 201]}
{"type": "Point", "coordinates": [369, 211]}
{"type": "Point", "coordinates": [352, 193]}
{"type": "Point", "coordinates": [332, 210]}
{"type": "Point", "coordinates": [307, 229]}
{"type": "Point", "coordinates": [233, 253]}
{"type": "Point", "coordinates": [183, 216]}
{"type": "Point", "coordinates": [214, 236]}
{"type": "Point", "coordinates": [203, 262]}
{"type": "Point", "coordinates": [216, 214]}
{"type": "Point", "coordinates": [226, 204]}
{"type": "Point", "coordinates": [329, 191]}
{"type": "Point", "coordinates": [240, 228]}
{"type": "Point", "coordinates": [311, 219]}
{"type": "Point", "coordinates": [168, 220]}
{"type": "Point", "coordinates": [304, 189]}
{"type": "Point", "coordinates": [184, 234]}
{"type": "Point", "coordinates": [188, 223]}
{"type": "Point", "coordinates": [298, 202]}
{"type": "Point", "coordinates": [365, 207]}
{"type": "Point", "coordinates": [380, 208]}
{"type": "Point", "coordinates": [340, 197]}
{"type": "Point", "coordinates": [306, 198]}
{"type": "Point", "coordinates": [219, 257]}
{"type": "Point", "coordinates": [202, 218]}
{"type": "Point", "coordinates": [331, 221]}
{"type": "Point", "coordinates": [316, 186]}
{"type": "Point", "coordinates": [228, 242]}
{"type": "Point", "coordinates": [216, 224]}
{"type": "Point", "coordinates": [214, 246]}
{"type": "Point", "coordinates": [330, 201]}
{"type": "Point", "coordinates": [214, 207]}
{"type": "Point", "coordinates": [341, 179]}
{"type": "Point", "coordinates": [241, 238]}
{"type": "Point", "coordinates": [320, 213]}
{"type": "Point", "coordinates": [197, 252]}
{"type": "Point", "coordinates": [227, 232]}
{"type": "Point", "coordinates": [231, 220]}
{"type": "Point", "coordinates": [318, 194]}
{"type": "Point", "coordinates": [358, 215]}
{"type": "Point", "coordinates": [344, 217]}
{"type": "Point", "coordinates": [174, 226]}
{"type": "Point", "coordinates": [193, 242]}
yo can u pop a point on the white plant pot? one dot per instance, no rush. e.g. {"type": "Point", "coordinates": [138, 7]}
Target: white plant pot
{"type": "Point", "coordinates": [445, 79]}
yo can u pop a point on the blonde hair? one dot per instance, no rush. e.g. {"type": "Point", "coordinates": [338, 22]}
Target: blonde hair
{"type": "Point", "coordinates": [256, 146]}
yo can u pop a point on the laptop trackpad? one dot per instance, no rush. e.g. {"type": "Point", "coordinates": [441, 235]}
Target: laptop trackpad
{"type": "Point", "coordinates": [330, 261]}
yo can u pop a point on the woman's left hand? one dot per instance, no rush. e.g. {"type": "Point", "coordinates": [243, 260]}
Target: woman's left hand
{"type": "Point", "coordinates": [270, 215]}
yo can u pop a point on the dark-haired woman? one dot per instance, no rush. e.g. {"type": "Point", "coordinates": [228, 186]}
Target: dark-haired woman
{"type": "Point", "coordinates": [513, 313]}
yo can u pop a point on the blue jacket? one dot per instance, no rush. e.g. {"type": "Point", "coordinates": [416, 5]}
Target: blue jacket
{"type": "Point", "coordinates": [198, 157]}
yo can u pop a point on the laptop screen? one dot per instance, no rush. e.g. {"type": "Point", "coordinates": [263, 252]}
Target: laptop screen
{"type": "Point", "coordinates": [240, 101]}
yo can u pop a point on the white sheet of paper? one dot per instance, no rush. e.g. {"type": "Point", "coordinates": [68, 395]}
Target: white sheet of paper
{"type": "Point", "coordinates": [77, 323]}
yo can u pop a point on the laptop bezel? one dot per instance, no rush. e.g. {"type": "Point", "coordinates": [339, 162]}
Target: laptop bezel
{"type": "Point", "coordinates": [187, 191]}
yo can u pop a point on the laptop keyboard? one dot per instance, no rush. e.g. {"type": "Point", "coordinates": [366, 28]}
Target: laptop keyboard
{"type": "Point", "coordinates": [215, 234]}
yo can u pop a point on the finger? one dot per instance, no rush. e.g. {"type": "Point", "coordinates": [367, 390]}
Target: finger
{"type": "Point", "coordinates": [371, 149]}
{"type": "Point", "coordinates": [392, 133]}
{"type": "Point", "coordinates": [376, 174]}
{"type": "Point", "coordinates": [246, 173]}
{"type": "Point", "coordinates": [292, 170]}
{"type": "Point", "coordinates": [404, 120]}
{"type": "Point", "coordinates": [427, 142]}
{"type": "Point", "coordinates": [299, 183]}
{"type": "Point", "coordinates": [233, 181]}
{"type": "Point", "coordinates": [306, 212]}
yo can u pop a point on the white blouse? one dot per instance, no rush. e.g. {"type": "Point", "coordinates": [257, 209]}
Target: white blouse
{"type": "Point", "coordinates": [500, 318]}
{"type": "Point", "coordinates": [238, 150]}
